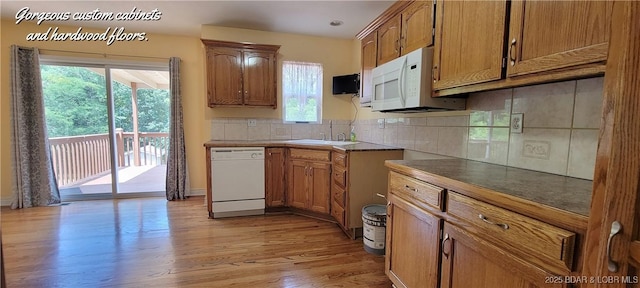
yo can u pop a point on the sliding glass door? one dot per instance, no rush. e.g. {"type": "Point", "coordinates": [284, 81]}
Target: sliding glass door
{"type": "Point", "coordinates": [108, 129]}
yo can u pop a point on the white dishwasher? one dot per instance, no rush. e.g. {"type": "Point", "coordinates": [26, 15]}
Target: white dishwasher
{"type": "Point", "coordinates": [237, 181]}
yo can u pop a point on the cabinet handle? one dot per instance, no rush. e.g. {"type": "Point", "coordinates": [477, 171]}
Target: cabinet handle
{"type": "Point", "coordinates": [444, 241]}
{"type": "Point", "coordinates": [305, 171]}
{"type": "Point", "coordinates": [410, 188]}
{"type": "Point", "coordinates": [616, 227]}
{"type": "Point", "coordinates": [486, 220]}
{"type": "Point", "coordinates": [311, 171]}
{"type": "Point", "coordinates": [433, 73]}
{"type": "Point", "coordinates": [512, 49]}
{"type": "Point", "coordinates": [397, 45]}
{"type": "Point", "coordinates": [246, 92]}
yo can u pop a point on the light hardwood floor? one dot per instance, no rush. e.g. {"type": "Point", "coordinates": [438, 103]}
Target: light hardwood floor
{"type": "Point", "coordinates": [149, 242]}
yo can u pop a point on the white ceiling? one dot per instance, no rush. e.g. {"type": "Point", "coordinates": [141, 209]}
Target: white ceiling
{"type": "Point", "coordinates": [185, 17]}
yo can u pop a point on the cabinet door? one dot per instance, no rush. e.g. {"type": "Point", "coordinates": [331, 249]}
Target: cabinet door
{"type": "Point", "coordinates": [368, 54]}
{"type": "Point", "coordinates": [417, 26]}
{"type": "Point", "coordinates": [389, 40]}
{"type": "Point", "coordinates": [468, 261]}
{"type": "Point", "coordinates": [297, 192]}
{"type": "Point", "coordinates": [546, 35]}
{"type": "Point", "coordinates": [469, 42]}
{"type": "Point", "coordinates": [224, 69]}
{"type": "Point", "coordinates": [319, 186]}
{"type": "Point", "coordinates": [275, 180]}
{"type": "Point", "coordinates": [412, 245]}
{"type": "Point", "coordinates": [259, 79]}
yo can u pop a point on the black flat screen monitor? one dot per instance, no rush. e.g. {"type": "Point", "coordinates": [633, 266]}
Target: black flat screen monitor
{"type": "Point", "coordinates": [346, 84]}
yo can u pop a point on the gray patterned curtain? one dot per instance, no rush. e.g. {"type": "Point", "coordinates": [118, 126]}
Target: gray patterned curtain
{"type": "Point", "coordinates": [34, 181]}
{"type": "Point", "coordinates": [177, 176]}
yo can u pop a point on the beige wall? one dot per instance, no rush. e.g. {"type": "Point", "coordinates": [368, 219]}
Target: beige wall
{"type": "Point", "coordinates": [336, 55]}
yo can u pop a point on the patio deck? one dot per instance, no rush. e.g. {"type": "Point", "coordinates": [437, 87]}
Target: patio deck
{"type": "Point", "coordinates": [133, 179]}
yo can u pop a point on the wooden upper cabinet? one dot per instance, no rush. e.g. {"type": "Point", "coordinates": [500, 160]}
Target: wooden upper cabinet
{"type": "Point", "coordinates": [546, 35]}
{"type": "Point", "coordinates": [224, 67]}
{"type": "Point", "coordinates": [368, 51]}
{"type": "Point", "coordinates": [241, 75]}
{"type": "Point", "coordinates": [259, 79]}
{"type": "Point", "coordinates": [417, 26]}
{"type": "Point", "coordinates": [469, 42]}
{"type": "Point", "coordinates": [389, 40]}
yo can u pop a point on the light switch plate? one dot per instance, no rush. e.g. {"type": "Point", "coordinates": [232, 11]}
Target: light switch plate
{"type": "Point", "coordinates": [380, 123]}
{"type": "Point", "coordinates": [252, 123]}
{"type": "Point", "coordinates": [517, 122]}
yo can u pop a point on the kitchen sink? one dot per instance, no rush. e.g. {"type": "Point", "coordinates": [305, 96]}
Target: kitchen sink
{"type": "Point", "coordinates": [321, 142]}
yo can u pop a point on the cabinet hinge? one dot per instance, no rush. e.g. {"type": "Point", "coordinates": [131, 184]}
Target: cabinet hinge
{"type": "Point", "coordinates": [504, 62]}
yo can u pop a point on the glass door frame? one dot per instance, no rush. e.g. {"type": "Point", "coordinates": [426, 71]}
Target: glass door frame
{"type": "Point", "coordinates": [108, 65]}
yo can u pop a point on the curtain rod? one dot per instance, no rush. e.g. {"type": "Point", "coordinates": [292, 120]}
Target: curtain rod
{"type": "Point", "coordinates": [105, 55]}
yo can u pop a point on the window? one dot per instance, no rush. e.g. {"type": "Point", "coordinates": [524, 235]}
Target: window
{"type": "Point", "coordinates": [302, 92]}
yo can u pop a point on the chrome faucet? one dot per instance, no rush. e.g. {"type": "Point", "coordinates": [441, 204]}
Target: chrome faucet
{"type": "Point", "coordinates": [344, 137]}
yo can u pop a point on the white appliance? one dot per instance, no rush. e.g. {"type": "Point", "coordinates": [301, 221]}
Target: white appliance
{"type": "Point", "coordinates": [237, 181]}
{"type": "Point", "coordinates": [405, 84]}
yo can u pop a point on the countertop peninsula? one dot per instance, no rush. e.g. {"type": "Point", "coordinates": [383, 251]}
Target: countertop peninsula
{"type": "Point", "coordinates": [549, 197]}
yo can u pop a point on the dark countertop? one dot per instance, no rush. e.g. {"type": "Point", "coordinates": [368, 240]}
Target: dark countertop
{"type": "Point", "coordinates": [303, 143]}
{"type": "Point", "coordinates": [565, 194]}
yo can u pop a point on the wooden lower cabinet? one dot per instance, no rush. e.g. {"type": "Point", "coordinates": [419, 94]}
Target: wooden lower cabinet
{"type": "Point", "coordinates": [275, 177]}
{"type": "Point", "coordinates": [297, 184]}
{"type": "Point", "coordinates": [469, 261]}
{"type": "Point", "coordinates": [309, 184]}
{"type": "Point", "coordinates": [412, 245]}
{"type": "Point", "coordinates": [319, 187]}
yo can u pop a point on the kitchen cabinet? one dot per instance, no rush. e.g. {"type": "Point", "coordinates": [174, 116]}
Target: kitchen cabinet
{"type": "Point", "coordinates": [468, 43]}
{"type": "Point", "coordinates": [543, 43]}
{"type": "Point", "coordinates": [369, 47]}
{"type": "Point", "coordinates": [542, 37]}
{"type": "Point", "coordinates": [389, 40]}
{"type": "Point", "coordinates": [438, 236]}
{"type": "Point", "coordinates": [469, 261]}
{"type": "Point", "coordinates": [241, 75]}
{"type": "Point", "coordinates": [412, 245]}
{"type": "Point", "coordinates": [358, 180]}
{"type": "Point", "coordinates": [309, 180]}
{"type": "Point", "coordinates": [275, 177]}
{"type": "Point", "coordinates": [417, 26]}
{"type": "Point", "coordinates": [406, 31]}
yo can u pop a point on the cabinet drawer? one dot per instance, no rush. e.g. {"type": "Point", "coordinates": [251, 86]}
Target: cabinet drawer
{"type": "Point", "coordinates": [533, 240]}
{"type": "Point", "coordinates": [338, 194]}
{"type": "Point", "coordinates": [340, 176]}
{"type": "Point", "coordinates": [338, 213]}
{"type": "Point", "coordinates": [415, 191]}
{"type": "Point", "coordinates": [340, 159]}
{"type": "Point", "coordinates": [308, 154]}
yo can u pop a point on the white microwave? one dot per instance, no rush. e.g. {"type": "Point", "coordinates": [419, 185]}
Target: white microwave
{"type": "Point", "coordinates": [405, 84]}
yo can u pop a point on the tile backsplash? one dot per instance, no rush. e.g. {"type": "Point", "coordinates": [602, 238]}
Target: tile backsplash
{"type": "Point", "coordinates": [560, 128]}
{"type": "Point", "coordinates": [274, 129]}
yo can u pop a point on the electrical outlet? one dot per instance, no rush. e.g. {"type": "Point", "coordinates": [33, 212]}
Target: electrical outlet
{"type": "Point", "coordinates": [517, 122]}
{"type": "Point", "coordinates": [252, 122]}
{"type": "Point", "coordinates": [380, 123]}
